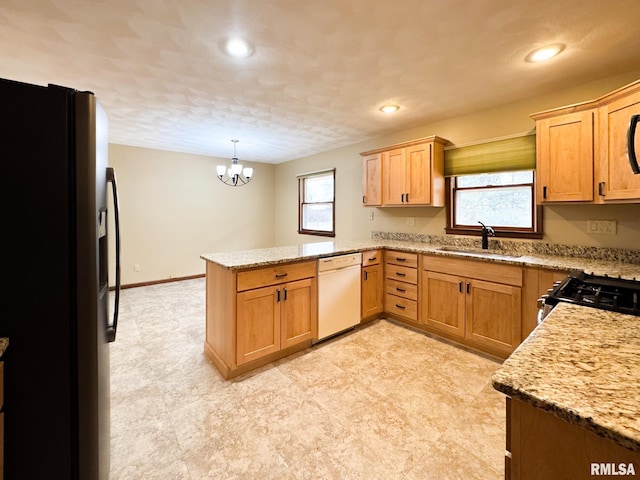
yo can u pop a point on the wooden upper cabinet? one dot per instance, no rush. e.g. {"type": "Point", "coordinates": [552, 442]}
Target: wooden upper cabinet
{"type": "Point", "coordinates": [419, 173]}
{"type": "Point", "coordinates": [394, 176]}
{"type": "Point", "coordinates": [372, 180]}
{"type": "Point", "coordinates": [615, 181]}
{"type": "Point", "coordinates": [582, 150]}
{"type": "Point", "coordinates": [564, 154]}
{"type": "Point", "coordinates": [412, 173]}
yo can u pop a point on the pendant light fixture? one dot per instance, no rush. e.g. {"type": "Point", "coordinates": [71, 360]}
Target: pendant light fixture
{"type": "Point", "coordinates": [234, 175]}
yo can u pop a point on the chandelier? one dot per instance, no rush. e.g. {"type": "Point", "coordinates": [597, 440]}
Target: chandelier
{"type": "Point", "coordinates": [234, 175]}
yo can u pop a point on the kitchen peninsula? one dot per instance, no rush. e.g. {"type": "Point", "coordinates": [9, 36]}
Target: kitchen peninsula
{"type": "Point", "coordinates": [573, 406]}
{"type": "Point", "coordinates": [262, 304]}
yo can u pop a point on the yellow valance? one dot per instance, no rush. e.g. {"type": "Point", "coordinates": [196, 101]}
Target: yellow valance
{"type": "Point", "coordinates": [509, 154]}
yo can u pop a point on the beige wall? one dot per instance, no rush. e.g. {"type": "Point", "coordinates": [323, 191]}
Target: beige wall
{"type": "Point", "coordinates": [562, 224]}
{"type": "Point", "coordinates": [173, 209]}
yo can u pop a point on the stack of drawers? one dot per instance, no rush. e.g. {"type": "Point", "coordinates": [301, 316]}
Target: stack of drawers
{"type": "Point", "coordinates": [401, 284]}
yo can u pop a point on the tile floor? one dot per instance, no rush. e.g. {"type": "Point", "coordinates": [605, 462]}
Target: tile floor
{"type": "Point", "coordinates": [382, 402]}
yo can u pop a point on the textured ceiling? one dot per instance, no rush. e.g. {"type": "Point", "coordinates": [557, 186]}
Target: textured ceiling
{"type": "Point", "coordinates": [320, 70]}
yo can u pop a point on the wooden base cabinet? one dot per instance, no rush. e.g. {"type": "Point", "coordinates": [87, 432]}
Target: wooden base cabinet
{"type": "Point", "coordinates": [256, 316]}
{"type": "Point", "coordinates": [536, 282]}
{"type": "Point", "coordinates": [401, 284]}
{"type": "Point", "coordinates": [372, 284]}
{"type": "Point", "coordinates": [541, 446]}
{"type": "Point", "coordinates": [473, 302]}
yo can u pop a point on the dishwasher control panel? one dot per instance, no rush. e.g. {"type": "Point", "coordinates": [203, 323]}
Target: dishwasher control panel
{"type": "Point", "coordinates": [339, 261]}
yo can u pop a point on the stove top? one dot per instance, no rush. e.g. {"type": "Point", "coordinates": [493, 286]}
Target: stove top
{"type": "Point", "coordinates": [607, 293]}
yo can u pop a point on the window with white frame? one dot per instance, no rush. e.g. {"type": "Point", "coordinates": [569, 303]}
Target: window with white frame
{"type": "Point", "coordinates": [316, 203]}
{"type": "Point", "coordinates": [494, 183]}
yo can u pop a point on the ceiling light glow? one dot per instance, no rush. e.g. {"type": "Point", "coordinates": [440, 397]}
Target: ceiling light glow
{"type": "Point", "coordinates": [236, 47]}
{"type": "Point", "coordinates": [544, 53]}
{"type": "Point", "coordinates": [389, 108]}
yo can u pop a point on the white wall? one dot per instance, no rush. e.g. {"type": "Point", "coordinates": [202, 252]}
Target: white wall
{"type": "Point", "coordinates": [173, 208]}
{"type": "Point", "coordinates": [562, 224]}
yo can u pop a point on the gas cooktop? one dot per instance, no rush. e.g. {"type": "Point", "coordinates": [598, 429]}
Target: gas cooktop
{"type": "Point", "coordinates": [607, 293]}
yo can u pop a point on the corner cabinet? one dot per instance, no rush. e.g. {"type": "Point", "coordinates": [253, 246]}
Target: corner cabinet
{"type": "Point", "coordinates": [406, 174]}
{"type": "Point", "coordinates": [472, 303]}
{"type": "Point", "coordinates": [582, 153]}
{"type": "Point", "coordinates": [259, 315]}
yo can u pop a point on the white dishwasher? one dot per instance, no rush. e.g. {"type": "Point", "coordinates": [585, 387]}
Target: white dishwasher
{"type": "Point", "coordinates": [338, 294]}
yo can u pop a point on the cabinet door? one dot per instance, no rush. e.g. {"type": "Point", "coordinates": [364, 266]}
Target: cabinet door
{"type": "Point", "coordinates": [615, 178]}
{"type": "Point", "coordinates": [298, 312]}
{"type": "Point", "coordinates": [565, 157]}
{"type": "Point", "coordinates": [258, 323]}
{"type": "Point", "coordinates": [372, 180]}
{"type": "Point", "coordinates": [418, 179]}
{"type": "Point", "coordinates": [394, 174]}
{"type": "Point", "coordinates": [493, 313]}
{"type": "Point", "coordinates": [372, 290]}
{"type": "Point", "coordinates": [442, 302]}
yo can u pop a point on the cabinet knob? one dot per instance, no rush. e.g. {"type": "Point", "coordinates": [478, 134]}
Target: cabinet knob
{"type": "Point", "coordinates": [544, 191]}
{"type": "Point", "coordinates": [601, 189]}
{"type": "Point", "coordinates": [281, 275]}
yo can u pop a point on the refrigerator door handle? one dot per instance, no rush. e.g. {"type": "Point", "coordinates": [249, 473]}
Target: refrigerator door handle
{"type": "Point", "coordinates": [113, 327]}
{"type": "Point", "coordinates": [631, 148]}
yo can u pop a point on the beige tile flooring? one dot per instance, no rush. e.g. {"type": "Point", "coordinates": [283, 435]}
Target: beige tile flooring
{"type": "Point", "coordinates": [382, 402]}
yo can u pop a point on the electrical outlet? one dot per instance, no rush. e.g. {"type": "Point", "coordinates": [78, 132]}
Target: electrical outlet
{"type": "Point", "coordinates": [603, 227]}
{"type": "Point", "coordinates": [136, 267]}
{"type": "Point", "coordinates": [411, 221]}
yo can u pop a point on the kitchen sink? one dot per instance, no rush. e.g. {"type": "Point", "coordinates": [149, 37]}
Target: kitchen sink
{"type": "Point", "coordinates": [477, 252]}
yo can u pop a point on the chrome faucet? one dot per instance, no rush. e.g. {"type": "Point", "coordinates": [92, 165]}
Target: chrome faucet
{"type": "Point", "coordinates": [486, 233]}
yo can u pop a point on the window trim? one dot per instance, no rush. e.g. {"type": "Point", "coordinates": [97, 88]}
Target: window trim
{"type": "Point", "coordinates": [301, 178]}
{"type": "Point", "coordinates": [535, 232]}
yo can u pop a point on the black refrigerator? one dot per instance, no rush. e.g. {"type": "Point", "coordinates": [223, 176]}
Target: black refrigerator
{"type": "Point", "coordinates": [55, 295]}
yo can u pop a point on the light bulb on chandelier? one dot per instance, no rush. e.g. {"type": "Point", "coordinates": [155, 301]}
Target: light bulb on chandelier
{"type": "Point", "coordinates": [234, 175]}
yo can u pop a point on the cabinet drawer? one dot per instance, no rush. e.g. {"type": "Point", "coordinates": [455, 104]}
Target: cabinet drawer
{"type": "Point", "coordinates": [401, 258]}
{"type": "Point", "coordinates": [401, 289]}
{"type": "Point", "coordinates": [401, 306]}
{"type": "Point", "coordinates": [263, 277]}
{"type": "Point", "coordinates": [372, 257]}
{"type": "Point", "coordinates": [404, 274]}
{"type": "Point", "coordinates": [480, 269]}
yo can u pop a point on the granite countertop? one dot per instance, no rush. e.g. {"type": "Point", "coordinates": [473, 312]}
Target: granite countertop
{"type": "Point", "coordinates": [4, 343]}
{"type": "Point", "coordinates": [581, 365]}
{"type": "Point", "coordinates": [510, 253]}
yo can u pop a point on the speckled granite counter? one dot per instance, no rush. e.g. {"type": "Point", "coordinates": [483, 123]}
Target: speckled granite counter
{"type": "Point", "coordinates": [4, 343]}
{"type": "Point", "coordinates": [625, 264]}
{"type": "Point", "coordinates": [583, 366]}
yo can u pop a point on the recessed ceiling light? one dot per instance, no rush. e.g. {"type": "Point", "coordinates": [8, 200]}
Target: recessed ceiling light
{"type": "Point", "coordinates": [545, 53]}
{"type": "Point", "coordinates": [236, 47]}
{"type": "Point", "coordinates": [389, 108]}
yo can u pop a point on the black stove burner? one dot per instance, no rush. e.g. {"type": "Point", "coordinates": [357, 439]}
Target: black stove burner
{"type": "Point", "coordinates": [615, 294]}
